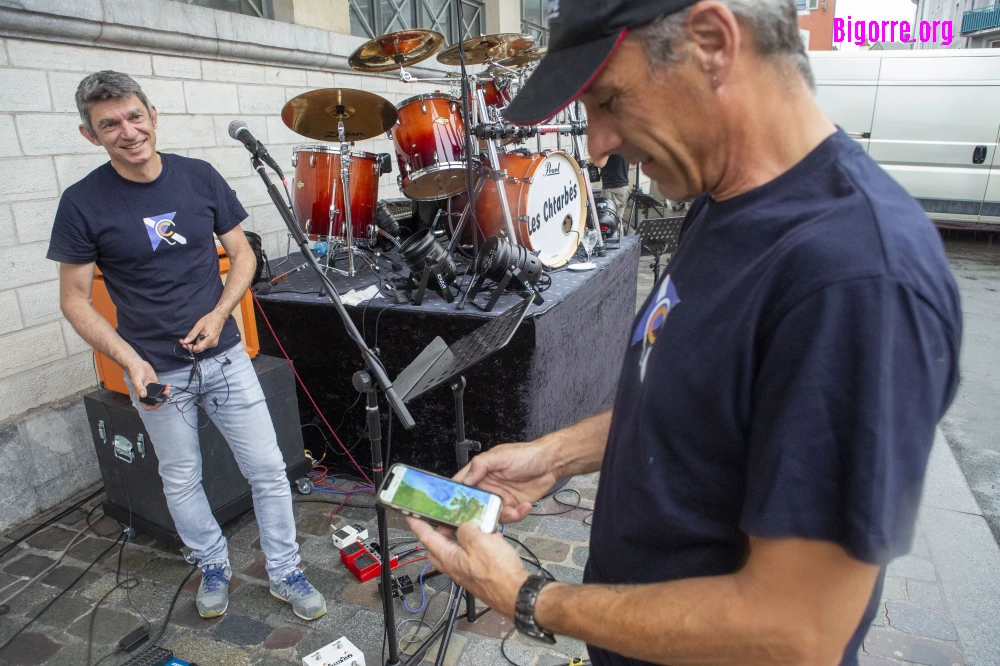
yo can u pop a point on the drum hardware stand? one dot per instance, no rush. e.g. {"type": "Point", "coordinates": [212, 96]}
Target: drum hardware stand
{"type": "Point", "coordinates": [585, 174]}
{"type": "Point", "coordinates": [437, 364]}
{"type": "Point", "coordinates": [637, 198]}
{"type": "Point", "coordinates": [345, 179]}
{"type": "Point", "coordinates": [363, 381]}
{"type": "Point", "coordinates": [495, 173]}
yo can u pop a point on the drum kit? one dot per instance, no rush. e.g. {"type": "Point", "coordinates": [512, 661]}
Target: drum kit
{"type": "Point", "coordinates": [537, 199]}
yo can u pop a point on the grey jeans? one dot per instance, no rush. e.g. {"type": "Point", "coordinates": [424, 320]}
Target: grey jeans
{"type": "Point", "coordinates": [618, 195]}
{"type": "Point", "coordinates": [235, 402]}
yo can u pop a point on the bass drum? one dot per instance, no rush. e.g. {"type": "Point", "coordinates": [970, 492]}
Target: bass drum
{"type": "Point", "coordinates": [547, 196]}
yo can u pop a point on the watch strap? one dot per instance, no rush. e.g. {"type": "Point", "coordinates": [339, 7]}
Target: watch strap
{"type": "Point", "coordinates": [524, 610]}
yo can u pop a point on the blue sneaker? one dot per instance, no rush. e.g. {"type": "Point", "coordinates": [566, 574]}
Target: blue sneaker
{"type": "Point", "coordinates": [213, 593]}
{"type": "Point", "coordinates": [307, 602]}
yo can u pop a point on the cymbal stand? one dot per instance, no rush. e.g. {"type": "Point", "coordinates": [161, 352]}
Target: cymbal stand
{"type": "Point", "coordinates": [496, 174]}
{"type": "Point", "coordinates": [585, 174]}
{"type": "Point", "coordinates": [345, 179]}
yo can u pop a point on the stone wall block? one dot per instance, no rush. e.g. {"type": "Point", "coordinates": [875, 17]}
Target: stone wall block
{"type": "Point", "coordinates": [231, 162]}
{"type": "Point", "coordinates": [283, 76]}
{"type": "Point", "coordinates": [62, 86]}
{"type": "Point", "coordinates": [319, 79]}
{"type": "Point", "coordinates": [17, 497]}
{"type": "Point", "coordinates": [72, 168]}
{"type": "Point", "coordinates": [177, 17]}
{"type": "Point", "coordinates": [40, 303]}
{"type": "Point", "coordinates": [10, 312]}
{"type": "Point", "coordinates": [9, 145]}
{"type": "Point", "coordinates": [26, 264]}
{"type": "Point", "coordinates": [33, 219]}
{"type": "Point", "coordinates": [50, 56]}
{"type": "Point", "coordinates": [205, 97]}
{"type": "Point", "coordinates": [261, 100]}
{"type": "Point", "coordinates": [30, 348]}
{"type": "Point", "coordinates": [27, 179]}
{"type": "Point", "coordinates": [180, 132]}
{"type": "Point", "coordinates": [61, 441]}
{"type": "Point", "coordinates": [176, 68]}
{"type": "Point", "coordinates": [166, 96]}
{"type": "Point", "coordinates": [46, 383]}
{"type": "Point", "coordinates": [24, 90]}
{"type": "Point", "coordinates": [74, 343]}
{"type": "Point", "coordinates": [8, 236]}
{"type": "Point", "coordinates": [232, 72]}
{"type": "Point", "coordinates": [53, 134]}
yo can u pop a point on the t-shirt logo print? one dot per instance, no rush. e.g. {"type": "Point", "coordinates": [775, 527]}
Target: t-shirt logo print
{"type": "Point", "coordinates": [161, 228]}
{"type": "Point", "coordinates": [653, 320]}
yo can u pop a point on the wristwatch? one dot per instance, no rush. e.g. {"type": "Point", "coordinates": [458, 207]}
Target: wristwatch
{"type": "Point", "coordinates": [524, 610]}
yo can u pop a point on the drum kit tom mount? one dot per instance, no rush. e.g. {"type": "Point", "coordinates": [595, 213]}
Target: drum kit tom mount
{"type": "Point", "coordinates": [540, 200]}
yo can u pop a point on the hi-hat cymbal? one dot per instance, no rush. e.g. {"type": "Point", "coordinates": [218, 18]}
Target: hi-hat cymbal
{"type": "Point", "coordinates": [396, 49]}
{"type": "Point", "coordinates": [533, 54]}
{"type": "Point", "coordinates": [490, 47]}
{"type": "Point", "coordinates": [315, 114]}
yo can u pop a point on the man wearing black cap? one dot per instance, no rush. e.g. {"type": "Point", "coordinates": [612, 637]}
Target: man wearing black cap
{"type": "Point", "coordinates": [764, 458]}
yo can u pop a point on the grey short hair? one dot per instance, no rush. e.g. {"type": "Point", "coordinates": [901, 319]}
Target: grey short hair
{"type": "Point", "coordinates": [773, 24]}
{"type": "Point", "coordinates": [106, 85]}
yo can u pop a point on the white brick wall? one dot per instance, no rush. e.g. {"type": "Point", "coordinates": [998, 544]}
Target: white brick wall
{"type": "Point", "coordinates": [24, 90]}
{"type": "Point", "coordinates": [7, 234]}
{"type": "Point", "coordinates": [177, 68]}
{"type": "Point", "coordinates": [31, 347]}
{"type": "Point", "coordinates": [26, 264]}
{"type": "Point", "coordinates": [27, 179]}
{"type": "Point", "coordinates": [9, 146]}
{"type": "Point", "coordinates": [39, 303]}
{"type": "Point", "coordinates": [261, 100]}
{"type": "Point", "coordinates": [10, 312]}
{"type": "Point", "coordinates": [33, 219]}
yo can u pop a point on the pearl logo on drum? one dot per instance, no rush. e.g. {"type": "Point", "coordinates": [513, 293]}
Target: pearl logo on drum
{"type": "Point", "coordinates": [551, 170]}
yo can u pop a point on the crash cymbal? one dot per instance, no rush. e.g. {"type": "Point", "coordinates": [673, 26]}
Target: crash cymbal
{"type": "Point", "coordinates": [533, 54]}
{"type": "Point", "coordinates": [395, 50]}
{"type": "Point", "coordinates": [490, 47]}
{"type": "Point", "coordinates": [315, 114]}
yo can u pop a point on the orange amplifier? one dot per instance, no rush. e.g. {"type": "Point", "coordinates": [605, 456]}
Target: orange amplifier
{"type": "Point", "coordinates": [110, 373]}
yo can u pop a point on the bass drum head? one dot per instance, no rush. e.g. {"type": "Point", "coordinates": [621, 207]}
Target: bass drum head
{"type": "Point", "coordinates": [556, 209]}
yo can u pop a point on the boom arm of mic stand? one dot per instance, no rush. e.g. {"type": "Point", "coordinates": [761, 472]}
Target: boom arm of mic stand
{"type": "Point", "coordinates": [372, 362]}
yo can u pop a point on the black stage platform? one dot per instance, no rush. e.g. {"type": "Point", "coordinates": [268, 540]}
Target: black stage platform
{"type": "Point", "coordinates": [561, 366]}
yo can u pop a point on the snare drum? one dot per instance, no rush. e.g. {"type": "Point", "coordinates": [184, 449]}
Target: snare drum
{"type": "Point", "coordinates": [317, 187]}
{"type": "Point", "coordinates": [430, 146]}
{"type": "Point", "coordinates": [547, 196]}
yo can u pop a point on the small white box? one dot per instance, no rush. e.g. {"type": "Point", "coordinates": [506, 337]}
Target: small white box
{"type": "Point", "coordinates": [345, 536]}
{"type": "Point", "coordinates": [341, 652]}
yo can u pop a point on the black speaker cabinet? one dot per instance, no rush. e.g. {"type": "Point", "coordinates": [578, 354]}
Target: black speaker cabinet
{"type": "Point", "coordinates": [129, 466]}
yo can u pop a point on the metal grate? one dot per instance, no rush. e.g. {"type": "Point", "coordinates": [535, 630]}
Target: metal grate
{"type": "Point", "coordinates": [984, 18]}
{"type": "Point", "coordinates": [535, 20]}
{"type": "Point", "coordinates": [374, 18]}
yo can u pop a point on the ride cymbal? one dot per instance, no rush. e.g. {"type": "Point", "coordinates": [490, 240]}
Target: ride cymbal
{"type": "Point", "coordinates": [489, 47]}
{"type": "Point", "coordinates": [396, 49]}
{"type": "Point", "coordinates": [315, 114]}
{"type": "Point", "coordinates": [533, 54]}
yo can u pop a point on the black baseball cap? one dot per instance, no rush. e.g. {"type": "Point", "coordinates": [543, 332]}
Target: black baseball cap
{"type": "Point", "coordinates": [583, 36]}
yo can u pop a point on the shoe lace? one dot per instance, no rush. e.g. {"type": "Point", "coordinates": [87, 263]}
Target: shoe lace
{"type": "Point", "coordinates": [213, 577]}
{"type": "Point", "coordinates": [297, 581]}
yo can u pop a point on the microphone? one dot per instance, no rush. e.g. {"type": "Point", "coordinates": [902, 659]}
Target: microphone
{"type": "Point", "coordinates": [239, 131]}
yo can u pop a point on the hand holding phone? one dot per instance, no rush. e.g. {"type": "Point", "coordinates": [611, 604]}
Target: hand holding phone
{"type": "Point", "coordinates": [439, 500]}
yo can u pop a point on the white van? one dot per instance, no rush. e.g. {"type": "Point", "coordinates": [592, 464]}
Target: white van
{"type": "Point", "coordinates": [930, 118]}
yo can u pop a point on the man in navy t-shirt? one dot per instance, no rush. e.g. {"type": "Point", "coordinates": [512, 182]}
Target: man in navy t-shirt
{"type": "Point", "coordinates": [149, 221]}
{"type": "Point", "coordinates": [764, 458]}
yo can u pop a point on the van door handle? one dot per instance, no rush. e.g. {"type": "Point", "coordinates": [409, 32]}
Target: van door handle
{"type": "Point", "coordinates": [979, 155]}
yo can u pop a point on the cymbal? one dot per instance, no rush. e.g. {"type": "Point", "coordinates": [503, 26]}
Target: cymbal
{"type": "Point", "coordinates": [315, 114]}
{"type": "Point", "coordinates": [533, 54]}
{"type": "Point", "coordinates": [395, 50]}
{"type": "Point", "coordinates": [491, 47]}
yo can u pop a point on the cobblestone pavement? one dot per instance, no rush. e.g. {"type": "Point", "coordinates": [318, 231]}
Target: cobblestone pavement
{"type": "Point", "coordinates": [939, 608]}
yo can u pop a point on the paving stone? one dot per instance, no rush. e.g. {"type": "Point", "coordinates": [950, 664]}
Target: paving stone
{"type": "Point", "coordinates": [76, 655]}
{"type": "Point", "coordinates": [549, 550]}
{"type": "Point", "coordinates": [30, 648]}
{"type": "Point", "coordinates": [319, 550]}
{"type": "Point", "coordinates": [455, 649]}
{"type": "Point", "coordinates": [255, 601]}
{"type": "Point", "coordinates": [242, 630]}
{"type": "Point", "coordinates": [479, 652]}
{"type": "Point", "coordinates": [51, 538]}
{"type": "Point", "coordinates": [299, 539]}
{"type": "Point", "coordinates": [880, 619]}
{"type": "Point", "coordinates": [329, 583]}
{"type": "Point", "coordinates": [284, 637]}
{"type": "Point", "coordinates": [310, 521]}
{"type": "Point", "coordinates": [271, 660]}
{"type": "Point", "coordinates": [924, 594]}
{"type": "Point", "coordinates": [313, 641]}
{"type": "Point", "coordinates": [366, 626]}
{"type": "Point", "coordinates": [63, 576]}
{"type": "Point", "coordinates": [63, 612]}
{"type": "Point", "coordinates": [580, 555]}
{"type": "Point", "coordinates": [492, 625]}
{"type": "Point", "coordinates": [89, 549]}
{"type": "Point", "coordinates": [166, 570]}
{"type": "Point", "coordinates": [257, 569]}
{"type": "Point", "coordinates": [565, 574]}
{"type": "Point", "coordinates": [920, 621]}
{"type": "Point", "coordinates": [894, 645]}
{"type": "Point", "coordinates": [19, 531]}
{"type": "Point", "coordinates": [361, 594]}
{"type": "Point", "coordinates": [337, 613]}
{"type": "Point", "coordinates": [919, 548]}
{"type": "Point", "coordinates": [866, 660]}
{"type": "Point", "coordinates": [73, 518]}
{"type": "Point", "coordinates": [186, 614]}
{"type": "Point", "coordinates": [894, 589]}
{"type": "Point", "coordinates": [109, 625]}
{"type": "Point", "coordinates": [29, 566]}
{"type": "Point", "coordinates": [28, 600]}
{"type": "Point", "coordinates": [529, 524]}
{"type": "Point", "coordinates": [6, 580]}
{"type": "Point", "coordinates": [911, 566]}
{"type": "Point", "coordinates": [570, 530]}
{"type": "Point", "coordinates": [210, 652]}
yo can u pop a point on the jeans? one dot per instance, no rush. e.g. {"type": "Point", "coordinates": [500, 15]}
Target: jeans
{"type": "Point", "coordinates": [241, 415]}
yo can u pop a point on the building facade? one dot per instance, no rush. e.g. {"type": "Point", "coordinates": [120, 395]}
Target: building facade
{"type": "Point", "coordinates": [816, 23]}
{"type": "Point", "coordinates": [202, 63]}
{"type": "Point", "coordinates": [977, 22]}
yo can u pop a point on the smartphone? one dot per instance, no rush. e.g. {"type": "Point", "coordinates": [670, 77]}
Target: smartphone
{"type": "Point", "coordinates": [439, 500]}
{"type": "Point", "coordinates": [154, 394]}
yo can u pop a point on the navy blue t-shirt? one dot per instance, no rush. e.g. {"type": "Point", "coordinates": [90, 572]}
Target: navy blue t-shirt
{"type": "Point", "coordinates": [153, 242]}
{"type": "Point", "coordinates": [784, 379]}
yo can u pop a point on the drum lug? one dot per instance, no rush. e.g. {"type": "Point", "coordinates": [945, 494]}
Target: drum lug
{"type": "Point", "coordinates": [423, 107]}
{"type": "Point", "coordinates": [388, 134]}
{"type": "Point", "coordinates": [529, 180]}
{"type": "Point", "coordinates": [523, 218]}
{"type": "Point", "coordinates": [295, 160]}
{"type": "Point", "coordinates": [399, 181]}
{"type": "Point", "coordinates": [312, 160]}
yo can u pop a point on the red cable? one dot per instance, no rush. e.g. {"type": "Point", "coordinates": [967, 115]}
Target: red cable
{"type": "Point", "coordinates": [417, 559]}
{"type": "Point", "coordinates": [308, 394]}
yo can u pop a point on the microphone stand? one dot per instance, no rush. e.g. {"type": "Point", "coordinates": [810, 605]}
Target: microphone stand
{"type": "Point", "coordinates": [363, 383]}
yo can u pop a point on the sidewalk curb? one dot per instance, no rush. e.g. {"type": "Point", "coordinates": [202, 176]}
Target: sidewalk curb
{"type": "Point", "coordinates": [965, 555]}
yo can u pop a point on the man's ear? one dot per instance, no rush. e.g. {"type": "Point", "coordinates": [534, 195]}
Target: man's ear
{"type": "Point", "coordinates": [88, 136]}
{"type": "Point", "coordinates": [152, 115]}
{"type": "Point", "coordinates": [715, 38]}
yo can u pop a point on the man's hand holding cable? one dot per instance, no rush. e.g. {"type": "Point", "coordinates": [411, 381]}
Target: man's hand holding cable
{"type": "Point", "coordinates": [205, 334]}
{"type": "Point", "coordinates": [141, 373]}
{"type": "Point", "coordinates": [483, 564]}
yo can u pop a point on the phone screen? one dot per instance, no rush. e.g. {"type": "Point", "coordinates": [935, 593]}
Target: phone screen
{"type": "Point", "coordinates": [439, 498]}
